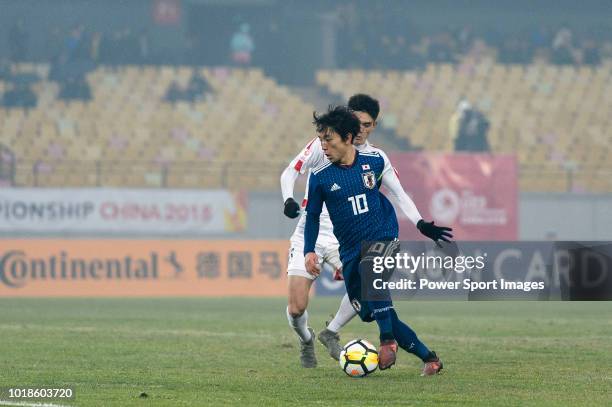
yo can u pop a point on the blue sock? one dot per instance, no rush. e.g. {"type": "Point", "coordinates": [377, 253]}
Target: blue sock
{"type": "Point", "coordinates": [407, 339]}
{"type": "Point", "coordinates": [382, 315]}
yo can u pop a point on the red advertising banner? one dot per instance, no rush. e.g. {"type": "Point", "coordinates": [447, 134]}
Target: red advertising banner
{"type": "Point", "coordinates": [475, 194]}
{"type": "Point", "coordinates": [142, 268]}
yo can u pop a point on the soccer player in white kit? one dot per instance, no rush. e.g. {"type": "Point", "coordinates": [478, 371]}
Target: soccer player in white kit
{"type": "Point", "coordinates": [366, 109]}
{"type": "Point", "coordinates": [300, 280]}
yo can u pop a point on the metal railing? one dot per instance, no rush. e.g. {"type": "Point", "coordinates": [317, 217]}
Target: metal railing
{"type": "Point", "coordinates": [574, 179]}
{"type": "Point", "coordinates": [7, 165]}
{"type": "Point", "coordinates": [185, 174]}
{"type": "Point", "coordinates": [239, 174]}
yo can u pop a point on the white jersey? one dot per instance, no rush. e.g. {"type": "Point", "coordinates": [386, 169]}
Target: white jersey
{"type": "Point", "coordinates": [309, 158]}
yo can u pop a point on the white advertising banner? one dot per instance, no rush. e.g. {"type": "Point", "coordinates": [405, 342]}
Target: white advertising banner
{"type": "Point", "coordinates": [164, 211]}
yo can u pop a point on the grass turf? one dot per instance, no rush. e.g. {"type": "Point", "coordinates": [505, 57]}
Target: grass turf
{"type": "Point", "coordinates": [241, 351]}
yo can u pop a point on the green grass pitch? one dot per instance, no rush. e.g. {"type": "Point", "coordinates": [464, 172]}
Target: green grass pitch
{"type": "Point", "coordinates": [240, 351]}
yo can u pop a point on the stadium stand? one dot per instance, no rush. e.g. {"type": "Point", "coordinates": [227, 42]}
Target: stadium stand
{"type": "Point", "coordinates": [553, 117]}
{"type": "Point", "coordinates": [242, 132]}
{"type": "Point", "coordinates": [239, 135]}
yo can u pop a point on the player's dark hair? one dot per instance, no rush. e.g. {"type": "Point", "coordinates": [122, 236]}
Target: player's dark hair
{"type": "Point", "coordinates": [338, 119]}
{"type": "Point", "coordinates": [364, 103]}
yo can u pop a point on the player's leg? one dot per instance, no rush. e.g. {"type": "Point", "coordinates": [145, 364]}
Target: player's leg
{"type": "Point", "coordinates": [381, 311]}
{"type": "Point", "coordinates": [345, 312]}
{"type": "Point", "coordinates": [408, 340]}
{"type": "Point", "coordinates": [329, 336]}
{"type": "Point", "coordinates": [393, 331]}
{"type": "Point", "coordinates": [371, 311]}
{"type": "Point", "coordinates": [379, 301]}
{"type": "Point", "coordinates": [297, 302]}
{"type": "Point", "coordinates": [343, 316]}
{"type": "Point", "coordinates": [299, 283]}
{"type": "Point", "coordinates": [297, 315]}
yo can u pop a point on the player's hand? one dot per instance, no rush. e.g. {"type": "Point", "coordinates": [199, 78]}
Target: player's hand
{"type": "Point", "coordinates": [292, 208]}
{"type": "Point", "coordinates": [434, 232]}
{"type": "Point", "coordinates": [311, 261]}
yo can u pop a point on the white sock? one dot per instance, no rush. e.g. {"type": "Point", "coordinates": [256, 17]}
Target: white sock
{"type": "Point", "coordinates": [300, 325]}
{"type": "Point", "coordinates": [345, 313]}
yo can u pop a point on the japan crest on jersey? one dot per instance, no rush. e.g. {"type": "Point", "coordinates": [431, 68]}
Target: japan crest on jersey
{"type": "Point", "coordinates": [369, 179]}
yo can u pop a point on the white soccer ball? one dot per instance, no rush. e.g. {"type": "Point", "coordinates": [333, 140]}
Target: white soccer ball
{"type": "Point", "coordinates": [358, 358]}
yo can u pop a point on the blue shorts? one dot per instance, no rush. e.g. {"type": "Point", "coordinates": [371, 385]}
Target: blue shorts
{"type": "Point", "coordinates": [352, 282]}
{"type": "Point", "coordinates": [358, 277]}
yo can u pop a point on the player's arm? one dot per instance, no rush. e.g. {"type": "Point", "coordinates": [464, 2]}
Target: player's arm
{"type": "Point", "coordinates": [309, 157]}
{"type": "Point", "coordinates": [287, 180]}
{"type": "Point", "coordinates": [398, 196]}
{"type": "Point", "coordinates": [311, 228]}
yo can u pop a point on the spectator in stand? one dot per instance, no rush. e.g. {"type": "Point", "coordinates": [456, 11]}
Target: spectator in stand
{"type": "Point", "coordinates": [73, 44]}
{"type": "Point", "coordinates": [197, 88]}
{"type": "Point", "coordinates": [18, 41]}
{"type": "Point", "coordinates": [563, 47]}
{"type": "Point", "coordinates": [144, 46]}
{"type": "Point", "coordinates": [75, 88]}
{"type": "Point", "coordinates": [515, 49]}
{"type": "Point", "coordinates": [540, 42]}
{"type": "Point", "coordinates": [469, 127]}
{"type": "Point", "coordinates": [242, 45]}
{"type": "Point", "coordinates": [590, 53]}
{"type": "Point", "coordinates": [95, 46]}
{"type": "Point", "coordinates": [174, 93]}
{"type": "Point", "coordinates": [21, 95]}
{"type": "Point", "coordinates": [131, 47]}
{"type": "Point", "coordinates": [465, 38]}
{"type": "Point", "coordinates": [54, 44]}
{"type": "Point", "coordinates": [455, 119]}
{"type": "Point", "coordinates": [442, 48]}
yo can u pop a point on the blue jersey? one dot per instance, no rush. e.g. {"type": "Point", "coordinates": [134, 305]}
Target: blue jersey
{"type": "Point", "coordinates": [357, 209]}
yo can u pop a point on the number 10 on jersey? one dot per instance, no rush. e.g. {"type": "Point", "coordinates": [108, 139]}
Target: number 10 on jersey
{"type": "Point", "coordinates": [359, 203]}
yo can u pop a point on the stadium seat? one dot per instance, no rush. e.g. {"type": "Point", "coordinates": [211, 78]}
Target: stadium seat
{"type": "Point", "coordinates": [539, 111]}
{"type": "Point", "coordinates": [546, 114]}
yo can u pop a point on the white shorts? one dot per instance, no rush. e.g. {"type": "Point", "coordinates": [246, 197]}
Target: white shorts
{"type": "Point", "coordinates": [326, 250]}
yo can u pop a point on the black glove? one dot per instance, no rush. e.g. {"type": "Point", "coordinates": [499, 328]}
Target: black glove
{"type": "Point", "coordinates": [292, 209]}
{"type": "Point", "coordinates": [434, 232]}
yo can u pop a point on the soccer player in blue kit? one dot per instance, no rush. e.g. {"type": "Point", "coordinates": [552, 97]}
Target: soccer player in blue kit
{"type": "Point", "coordinates": [349, 185]}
